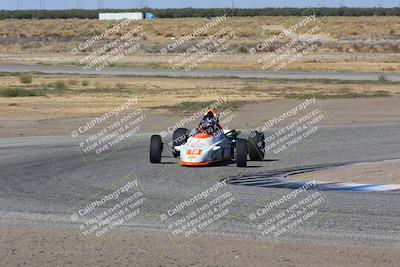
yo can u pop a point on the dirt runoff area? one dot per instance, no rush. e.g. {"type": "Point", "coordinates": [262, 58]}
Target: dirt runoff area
{"type": "Point", "coordinates": [66, 247]}
{"type": "Point", "coordinates": [384, 172]}
{"type": "Point", "coordinates": [355, 111]}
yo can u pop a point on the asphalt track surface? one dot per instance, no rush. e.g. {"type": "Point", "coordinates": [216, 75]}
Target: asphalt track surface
{"type": "Point", "coordinates": [348, 76]}
{"type": "Point", "coordinates": [43, 178]}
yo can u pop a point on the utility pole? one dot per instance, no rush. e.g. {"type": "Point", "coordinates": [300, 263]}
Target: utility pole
{"type": "Point", "coordinates": [19, 4]}
{"type": "Point", "coordinates": [141, 4]}
{"type": "Point", "coordinates": [233, 8]}
{"type": "Point", "coordinates": [100, 4]}
{"type": "Point", "coordinates": [42, 4]}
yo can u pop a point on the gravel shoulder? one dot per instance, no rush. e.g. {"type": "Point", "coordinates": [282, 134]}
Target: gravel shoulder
{"type": "Point", "coordinates": [339, 112]}
{"type": "Point", "coordinates": [385, 172]}
{"type": "Point", "coordinates": [66, 247]}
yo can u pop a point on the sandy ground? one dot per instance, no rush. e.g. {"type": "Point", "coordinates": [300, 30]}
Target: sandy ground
{"type": "Point", "coordinates": [386, 172]}
{"type": "Point", "coordinates": [358, 111]}
{"type": "Point", "coordinates": [36, 246]}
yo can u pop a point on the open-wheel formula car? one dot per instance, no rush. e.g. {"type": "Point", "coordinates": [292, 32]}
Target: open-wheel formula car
{"type": "Point", "coordinates": [202, 149]}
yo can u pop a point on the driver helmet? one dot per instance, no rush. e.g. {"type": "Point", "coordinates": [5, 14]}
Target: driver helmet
{"type": "Point", "coordinates": [211, 113]}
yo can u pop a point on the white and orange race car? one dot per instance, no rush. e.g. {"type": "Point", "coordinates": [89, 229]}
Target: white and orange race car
{"type": "Point", "coordinates": [202, 149]}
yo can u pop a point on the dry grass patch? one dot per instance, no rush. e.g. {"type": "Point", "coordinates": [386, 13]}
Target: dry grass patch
{"type": "Point", "coordinates": [54, 95]}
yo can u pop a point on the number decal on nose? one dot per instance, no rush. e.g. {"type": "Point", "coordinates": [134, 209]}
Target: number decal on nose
{"type": "Point", "coordinates": [194, 152]}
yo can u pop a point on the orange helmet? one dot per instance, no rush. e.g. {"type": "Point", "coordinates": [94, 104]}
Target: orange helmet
{"type": "Point", "coordinates": [211, 111]}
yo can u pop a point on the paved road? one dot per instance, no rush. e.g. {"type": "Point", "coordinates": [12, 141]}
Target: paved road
{"type": "Point", "coordinates": [43, 178]}
{"type": "Point", "coordinates": [350, 76]}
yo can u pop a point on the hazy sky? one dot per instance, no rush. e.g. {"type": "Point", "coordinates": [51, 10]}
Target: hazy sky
{"type": "Point", "coordinates": [66, 4]}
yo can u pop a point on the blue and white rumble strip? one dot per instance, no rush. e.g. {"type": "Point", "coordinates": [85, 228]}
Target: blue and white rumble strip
{"type": "Point", "coordinates": [275, 182]}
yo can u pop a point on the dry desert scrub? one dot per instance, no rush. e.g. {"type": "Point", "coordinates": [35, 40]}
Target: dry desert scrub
{"type": "Point", "coordinates": [373, 34]}
{"type": "Point", "coordinates": [52, 95]}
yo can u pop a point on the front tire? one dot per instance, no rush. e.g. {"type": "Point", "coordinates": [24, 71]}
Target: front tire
{"type": "Point", "coordinates": [256, 146]}
{"type": "Point", "coordinates": [156, 147]}
{"type": "Point", "coordinates": [179, 137]}
{"type": "Point", "coordinates": [241, 153]}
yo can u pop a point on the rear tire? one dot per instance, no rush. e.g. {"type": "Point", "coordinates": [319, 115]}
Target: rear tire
{"type": "Point", "coordinates": [241, 153]}
{"type": "Point", "coordinates": [156, 147]}
{"type": "Point", "coordinates": [256, 146]}
{"type": "Point", "coordinates": [179, 137]}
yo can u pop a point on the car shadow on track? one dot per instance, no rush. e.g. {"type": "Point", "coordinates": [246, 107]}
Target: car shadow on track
{"type": "Point", "coordinates": [270, 160]}
{"type": "Point", "coordinates": [219, 164]}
